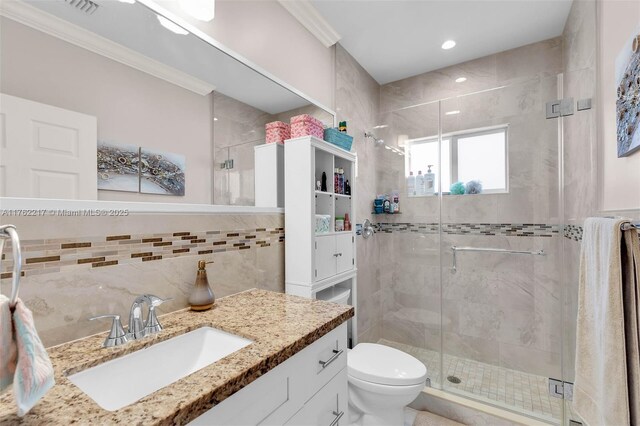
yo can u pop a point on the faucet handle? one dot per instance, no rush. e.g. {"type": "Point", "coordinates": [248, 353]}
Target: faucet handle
{"type": "Point", "coordinates": [116, 336]}
{"type": "Point", "coordinates": [153, 325]}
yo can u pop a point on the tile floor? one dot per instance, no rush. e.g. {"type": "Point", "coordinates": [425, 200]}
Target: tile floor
{"type": "Point", "coordinates": [525, 393]}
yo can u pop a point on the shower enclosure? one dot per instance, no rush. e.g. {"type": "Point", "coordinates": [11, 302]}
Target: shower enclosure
{"type": "Point", "coordinates": [481, 286]}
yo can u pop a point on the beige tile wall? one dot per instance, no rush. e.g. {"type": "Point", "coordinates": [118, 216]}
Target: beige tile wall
{"type": "Point", "coordinates": [62, 302]}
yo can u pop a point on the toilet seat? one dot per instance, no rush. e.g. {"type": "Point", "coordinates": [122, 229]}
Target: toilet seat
{"type": "Point", "coordinates": [383, 365]}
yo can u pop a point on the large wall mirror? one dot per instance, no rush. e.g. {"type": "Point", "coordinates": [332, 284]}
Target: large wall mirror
{"type": "Point", "coordinates": [112, 100]}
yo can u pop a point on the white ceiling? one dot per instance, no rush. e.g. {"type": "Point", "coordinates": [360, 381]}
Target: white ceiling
{"type": "Point", "coordinates": [395, 39]}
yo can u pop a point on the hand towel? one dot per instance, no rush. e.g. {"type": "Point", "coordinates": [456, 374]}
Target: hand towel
{"type": "Point", "coordinates": [34, 372]}
{"type": "Point", "coordinates": [600, 389]}
{"type": "Point", "coordinates": [7, 345]}
{"type": "Point", "coordinates": [631, 298]}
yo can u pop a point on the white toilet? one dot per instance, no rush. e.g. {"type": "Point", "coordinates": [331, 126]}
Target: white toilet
{"type": "Point", "coordinates": [382, 381]}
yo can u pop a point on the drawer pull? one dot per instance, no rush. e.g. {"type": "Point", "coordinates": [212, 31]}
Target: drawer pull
{"type": "Point", "coordinates": [336, 354]}
{"type": "Point", "coordinates": [338, 417]}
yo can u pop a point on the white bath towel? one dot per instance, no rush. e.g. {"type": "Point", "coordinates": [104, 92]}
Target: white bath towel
{"type": "Point", "coordinates": [601, 389]}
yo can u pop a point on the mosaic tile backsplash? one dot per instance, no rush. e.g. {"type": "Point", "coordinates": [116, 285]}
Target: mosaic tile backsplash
{"type": "Point", "coordinates": [56, 255]}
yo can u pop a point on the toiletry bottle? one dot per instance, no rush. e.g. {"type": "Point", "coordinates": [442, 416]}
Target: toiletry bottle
{"type": "Point", "coordinates": [335, 181]}
{"type": "Point", "coordinates": [429, 181]}
{"type": "Point", "coordinates": [420, 183]}
{"type": "Point", "coordinates": [341, 174]}
{"type": "Point", "coordinates": [201, 297]}
{"type": "Point", "coordinates": [396, 201]}
{"type": "Point", "coordinates": [347, 187]}
{"type": "Point", "coordinates": [323, 185]}
{"type": "Point", "coordinates": [411, 185]}
{"type": "Point", "coordinates": [347, 222]}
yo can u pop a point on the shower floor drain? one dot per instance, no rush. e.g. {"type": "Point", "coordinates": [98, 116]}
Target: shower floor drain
{"type": "Point", "coordinates": [454, 379]}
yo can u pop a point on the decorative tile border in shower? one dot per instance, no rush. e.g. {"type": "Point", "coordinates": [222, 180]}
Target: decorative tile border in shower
{"type": "Point", "coordinates": [573, 232]}
{"type": "Point", "coordinates": [56, 255]}
{"type": "Point", "coordinates": [489, 229]}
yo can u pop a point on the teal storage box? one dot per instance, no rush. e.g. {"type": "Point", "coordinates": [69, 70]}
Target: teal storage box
{"type": "Point", "coordinates": [337, 138]}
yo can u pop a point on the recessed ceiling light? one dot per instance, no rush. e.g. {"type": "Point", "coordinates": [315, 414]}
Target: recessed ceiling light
{"type": "Point", "coordinates": [452, 112]}
{"type": "Point", "coordinates": [202, 10]}
{"type": "Point", "coordinates": [461, 79]}
{"type": "Point", "coordinates": [215, 118]}
{"type": "Point", "coordinates": [449, 44]}
{"type": "Point", "coordinates": [127, 1]}
{"type": "Point", "coordinates": [172, 26]}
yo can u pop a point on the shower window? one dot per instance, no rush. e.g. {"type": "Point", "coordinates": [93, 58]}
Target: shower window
{"type": "Point", "coordinates": [479, 154]}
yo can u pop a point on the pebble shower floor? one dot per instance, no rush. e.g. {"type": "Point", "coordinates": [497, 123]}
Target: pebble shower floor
{"type": "Point", "coordinates": [516, 390]}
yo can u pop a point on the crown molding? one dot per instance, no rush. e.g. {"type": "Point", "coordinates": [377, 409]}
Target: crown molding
{"type": "Point", "coordinates": [312, 20]}
{"type": "Point", "coordinates": [42, 21]}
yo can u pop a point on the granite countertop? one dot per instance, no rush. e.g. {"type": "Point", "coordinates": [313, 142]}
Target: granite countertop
{"type": "Point", "coordinates": [279, 325]}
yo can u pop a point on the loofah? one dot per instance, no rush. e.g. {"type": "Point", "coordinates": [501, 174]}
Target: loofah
{"type": "Point", "coordinates": [457, 188]}
{"type": "Point", "coordinates": [474, 187]}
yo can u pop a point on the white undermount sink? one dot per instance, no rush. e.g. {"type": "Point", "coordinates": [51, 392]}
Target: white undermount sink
{"type": "Point", "coordinates": [122, 381]}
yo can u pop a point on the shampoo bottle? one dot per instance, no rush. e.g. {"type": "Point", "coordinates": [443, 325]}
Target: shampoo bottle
{"type": "Point", "coordinates": [429, 181]}
{"type": "Point", "coordinates": [420, 183]}
{"type": "Point", "coordinates": [411, 185]}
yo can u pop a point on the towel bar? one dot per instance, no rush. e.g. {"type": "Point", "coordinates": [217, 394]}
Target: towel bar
{"type": "Point", "coordinates": [456, 249]}
{"type": "Point", "coordinates": [9, 231]}
{"type": "Point", "coordinates": [630, 225]}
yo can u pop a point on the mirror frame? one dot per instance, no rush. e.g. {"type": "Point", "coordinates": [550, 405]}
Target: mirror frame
{"type": "Point", "coordinates": [49, 207]}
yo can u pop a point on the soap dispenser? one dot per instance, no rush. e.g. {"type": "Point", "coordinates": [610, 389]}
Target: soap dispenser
{"type": "Point", "coordinates": [201, 297]}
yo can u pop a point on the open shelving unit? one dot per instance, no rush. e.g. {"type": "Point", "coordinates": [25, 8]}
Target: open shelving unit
{"type": "Point", "coordinates": [319, 265]}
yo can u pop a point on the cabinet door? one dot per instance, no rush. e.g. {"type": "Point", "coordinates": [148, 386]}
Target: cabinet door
{"type": "Point", "coordinates": [327, 407]}
{"type": "Point", "coordinates": [344, 250]}
{"type": "Point", "coordinates": [325, 257]}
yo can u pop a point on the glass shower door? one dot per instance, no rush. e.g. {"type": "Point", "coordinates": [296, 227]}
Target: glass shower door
{"type": "Point", "coordinates": [501, 248]}
{"type": "Point", "coordinates": [409, 264]}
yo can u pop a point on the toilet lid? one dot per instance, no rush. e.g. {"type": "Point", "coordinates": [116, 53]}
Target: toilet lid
{"type": "Point", "coordinates": [384, 365]}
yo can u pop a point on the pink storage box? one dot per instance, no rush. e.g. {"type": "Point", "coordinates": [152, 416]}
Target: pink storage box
{"type": "Point", "coordinates": [277, 132]}
{"type": "Point", "coordinates": [306, 125]}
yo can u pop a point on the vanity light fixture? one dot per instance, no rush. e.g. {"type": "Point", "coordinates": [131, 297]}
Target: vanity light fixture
{"type": "Point", "coordinates": [127, 1]}
{"type": "Point", "coordinates": [461, 79]}
{"type": "Point", "coordinates": [387, 147]}
{"type": "Point", "coordinates": [215, 118]}
{"type": "Point", "coordinates": [381, 126]}
{"type": "Point", "coordinates": [454, 112]}
{"type": "Point", "coordinates": [171, 26]}
{"type": "Point", "coordinates": [449, 44]}
{"type": "Point", "coordinates": [202, 10]}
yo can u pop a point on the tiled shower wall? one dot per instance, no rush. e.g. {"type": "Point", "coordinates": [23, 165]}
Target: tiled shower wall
{"type": "Point", "coordinates": [88, 266]}
{"type": "Point", "coordinates": [357, 102]}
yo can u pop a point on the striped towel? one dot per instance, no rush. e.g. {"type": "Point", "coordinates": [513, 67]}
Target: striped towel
{"type": "Point", "coordinates": [33, 375]}
{"type": "Point", "coordinates": [7, 345]}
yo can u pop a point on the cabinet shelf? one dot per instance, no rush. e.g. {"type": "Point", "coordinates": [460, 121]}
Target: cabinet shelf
{"type": "Point", "coordinates": [323, 234]}
{"type": "Point", "coordinates": [325, 193]}
{"type": "Point", "coordinates": [316, 261]}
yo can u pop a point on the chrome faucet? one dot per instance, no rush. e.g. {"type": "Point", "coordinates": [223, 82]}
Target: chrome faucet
{"type": "Point", "coordinates": [138, 326]}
